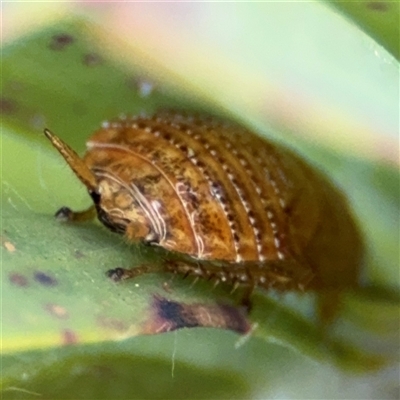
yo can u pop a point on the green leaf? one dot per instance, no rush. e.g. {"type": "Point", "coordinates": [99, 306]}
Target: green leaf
{"type": "Point", "coordinates": [379, 19]}
{"type": "Point", "coordinates": [62, 79]}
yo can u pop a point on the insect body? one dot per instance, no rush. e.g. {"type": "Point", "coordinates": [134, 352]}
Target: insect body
{"type": "Point", "coordinates": [230, 205]}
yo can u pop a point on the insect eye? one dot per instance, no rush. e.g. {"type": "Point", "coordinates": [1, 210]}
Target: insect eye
{"type": "Point", "coordinates": [95, 197]}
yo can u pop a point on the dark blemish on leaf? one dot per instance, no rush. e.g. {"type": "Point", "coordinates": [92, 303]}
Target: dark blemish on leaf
{"type": "Point", "coordinates": [56, 310]}
{"type": "Point", "coordinates": [61, 41]}
{"type": "Point", "coordinates": [234, 318]}
{"type": "Point", "coordinates": [78, 254]}
{"type": "Point", "coordinates": [92, 60]}
{"type": "Point", "coordinates": [44, 279]}
{"type": "Point", "coordinates": [113, 324]}
{"type": "Point", "coordinates": [168, 315]}
{"type": "Point", "coordinates": [178, 315]}
{"type": "Point", "coordinates": [18, 279]}
{"type": "Point", "coordinates": [7, 106]}
{"type": "Point", "coordinates": [68, 337]}
{"type": "Point", "coordinates": [378, 5]}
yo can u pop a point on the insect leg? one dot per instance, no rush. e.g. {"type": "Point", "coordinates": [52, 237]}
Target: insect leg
{"type": "Point", "coordinates": [176, 267]}
{"type": "Point", "coordinates": [246, 298]}
{"type": "Point", "coordinates": [121, 274]}
{"type": "Point", "coordinates": [66, 214]}
{"type": "Point", "coordinates": [281, 275]}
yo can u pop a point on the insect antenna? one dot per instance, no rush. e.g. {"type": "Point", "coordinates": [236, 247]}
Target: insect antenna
{"type": "Point", "coordinates": [81, 170]}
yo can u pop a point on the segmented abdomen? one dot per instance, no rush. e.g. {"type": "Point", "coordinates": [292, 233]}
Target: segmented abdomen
{"type": "Point", "coordinates": [220, 191]}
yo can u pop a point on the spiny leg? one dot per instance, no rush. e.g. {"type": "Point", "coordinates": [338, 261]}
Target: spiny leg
{"type": "Point", "coordinates": [121, 274]}
{"type": "Point", "coordinates": [246, 299]}
{"type": "Point", "coordinates": [66, 214]}
{"type": "Point", "coordinates": [281, 275]}
{"type": "Point", "coordinates": [185, 269]}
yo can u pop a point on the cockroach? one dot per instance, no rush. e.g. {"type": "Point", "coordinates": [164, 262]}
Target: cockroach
{"type": "Point", "coordinates": [230, 205]}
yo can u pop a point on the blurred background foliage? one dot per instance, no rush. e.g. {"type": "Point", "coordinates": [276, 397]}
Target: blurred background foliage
{"type": "Point", "coordinates": [297, 72]}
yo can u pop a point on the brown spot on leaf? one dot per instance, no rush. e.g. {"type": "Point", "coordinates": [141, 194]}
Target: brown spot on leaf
{"type": "Point", "coordinates": [92, 60]}
{"type": "Point", "coordinates": [69, 337]}
{"type": "Point", "coordinates": [45, 279]}
{"type": "Point", "coordinates": [56, 310]}
{"type": "Point", "coordinates": [18, 279]}
{"type": "Point", "coordinates": [113, 324]}
{"type": "Point", "coordinates": [61, 41]}
{"type": "Point", "coordinates": [7, 106]}
{"type": "Point", "coordinates": [378, 5]}
{"type": "Point", "coordinates": [168, 315]}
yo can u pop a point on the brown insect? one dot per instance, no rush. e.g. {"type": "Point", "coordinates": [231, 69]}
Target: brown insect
{"type": "Point", "coordinates": [229, 205]}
